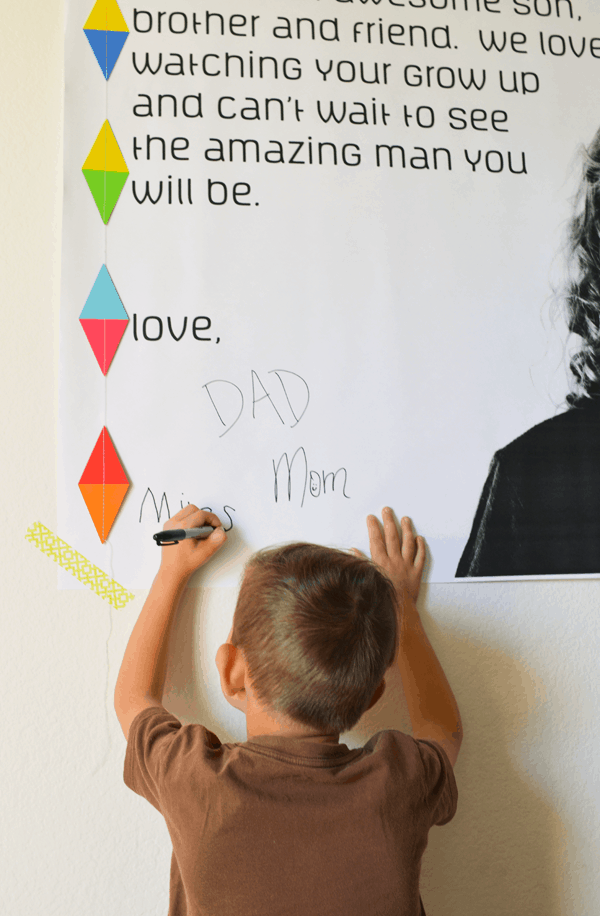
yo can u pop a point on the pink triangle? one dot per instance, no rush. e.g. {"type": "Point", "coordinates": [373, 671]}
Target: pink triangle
{"type": "Point", "coordinates": [104, 336]}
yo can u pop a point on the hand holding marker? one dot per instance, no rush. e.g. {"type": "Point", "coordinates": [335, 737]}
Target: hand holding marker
{"type": "Point", "coordinates": [199, 534]}
{"type": "Point", "coordinates": [175, 535]}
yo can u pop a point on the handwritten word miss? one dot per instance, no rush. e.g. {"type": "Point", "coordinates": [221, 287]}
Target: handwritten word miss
{"type": "Point", "coordinates": [162, 506]}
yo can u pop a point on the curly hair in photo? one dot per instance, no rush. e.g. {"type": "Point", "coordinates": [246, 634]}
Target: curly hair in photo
{"type": "Point", "coordinates": [583, 291]}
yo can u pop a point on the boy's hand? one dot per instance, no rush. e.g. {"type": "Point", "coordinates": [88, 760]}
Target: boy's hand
{"type": "Point", "coordinates": [181, 560]}
{"type": "Point", "coordinates": [400, 554]}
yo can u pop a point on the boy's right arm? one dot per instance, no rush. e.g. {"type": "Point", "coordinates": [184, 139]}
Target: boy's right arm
{"type": "Point", "coordinates": [432, 707]}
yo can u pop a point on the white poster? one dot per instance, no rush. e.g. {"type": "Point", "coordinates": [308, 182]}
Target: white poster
{"type": "Point", "coordinates": [309, 253]}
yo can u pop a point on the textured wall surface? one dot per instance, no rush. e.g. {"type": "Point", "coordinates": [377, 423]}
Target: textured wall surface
{"type": "Point", "coordinates": [521, 657]}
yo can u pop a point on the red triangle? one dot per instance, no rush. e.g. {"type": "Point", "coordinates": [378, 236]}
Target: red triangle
{"type": "Point", "coordinates": [104, 465]}
{"type": "Point", "coordinates": [104, 336]}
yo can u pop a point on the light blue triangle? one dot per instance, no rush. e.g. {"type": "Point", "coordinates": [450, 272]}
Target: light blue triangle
{"type": "Point", "coordinates": [104, 301]}
{"type": "Point", "coordinates": [106, 46]}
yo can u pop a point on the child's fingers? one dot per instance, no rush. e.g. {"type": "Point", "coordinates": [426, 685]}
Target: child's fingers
{"type": "Point", "coordinates": [420, 557]}
{"type": "Point", "coordinates": [192, 517]}
{"type": "Point", "coordinates": [181, 515]}
{"type": "Point", "coordinates": [212, 519]}
{"type": "Point", "coordinates": [358, 553]}
{"type": "Point", "coordinates": [199, 551]}
{"type": "Point", "coordinates": [392, 537]}
{"type": "Point", "coordinates": [213, 542]}
{"type": "Point", "coordinates": [408, 540]}
{"type": "Point", "coordinates": [376, 543]}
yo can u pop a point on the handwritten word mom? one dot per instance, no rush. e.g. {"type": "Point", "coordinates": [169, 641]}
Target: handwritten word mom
{"type": "Point", "coordinates": [318, 483]}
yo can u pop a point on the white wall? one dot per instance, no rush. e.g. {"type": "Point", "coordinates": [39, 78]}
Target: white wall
{"type": "Point", "coordinates": [520, 656]}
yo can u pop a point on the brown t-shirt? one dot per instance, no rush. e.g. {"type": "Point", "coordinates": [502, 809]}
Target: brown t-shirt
{"type": "Point", "coordinates": [281, 826]}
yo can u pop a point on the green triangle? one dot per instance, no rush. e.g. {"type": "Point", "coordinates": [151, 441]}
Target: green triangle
{"type": "Point", "coordinates": [106, 189]}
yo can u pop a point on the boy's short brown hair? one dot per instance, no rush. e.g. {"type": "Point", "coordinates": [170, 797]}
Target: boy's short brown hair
{"type": "Point", "coordinates": [318, 630]}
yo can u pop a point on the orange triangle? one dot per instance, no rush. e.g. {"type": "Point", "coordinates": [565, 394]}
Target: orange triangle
{"type": "Point", "coordinates": [103, 502]}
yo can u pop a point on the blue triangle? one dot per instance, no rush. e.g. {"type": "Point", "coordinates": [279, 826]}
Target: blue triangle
{"type": "Point", "coordinates": [106, 46]}
{"type": "Point", "coordinates": [104, 301]}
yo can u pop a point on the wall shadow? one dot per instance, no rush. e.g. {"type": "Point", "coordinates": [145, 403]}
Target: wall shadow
{"type": "Point", "coordinates": [501, 854]}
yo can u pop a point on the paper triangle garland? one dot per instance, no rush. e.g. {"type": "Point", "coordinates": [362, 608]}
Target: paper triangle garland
{"type": "Point", "coordinates": [107, 32]}
{"type": "Point", "coordinates": [105, 171]}
{"type": "Point", "coordinates": [104, 319]}
{"type": "Point", "coordinates": [107, 47]}
{"type": "Point", "coordinates": [106, 15]}
{"type": "Point", "coordinates": [103, 485]}
{"type": "Point", "coordinates": [104, 337]}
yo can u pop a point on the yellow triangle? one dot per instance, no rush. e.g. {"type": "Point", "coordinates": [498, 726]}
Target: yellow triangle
{"type": "Point", "coordinates": [106, 17]}
{"type": "Point", "coordinates": [105, 155]}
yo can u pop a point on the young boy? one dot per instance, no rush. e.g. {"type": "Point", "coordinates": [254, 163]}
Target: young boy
{"type": "Point", "coordinates": [291, 821]}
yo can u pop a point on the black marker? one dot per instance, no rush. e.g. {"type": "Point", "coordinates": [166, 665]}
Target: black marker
{"type": "Point", "coordinates": [175, 535]}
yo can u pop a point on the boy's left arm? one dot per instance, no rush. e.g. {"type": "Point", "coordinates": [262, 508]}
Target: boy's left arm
{"type": "Point", "coordinates": [142, 675]}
